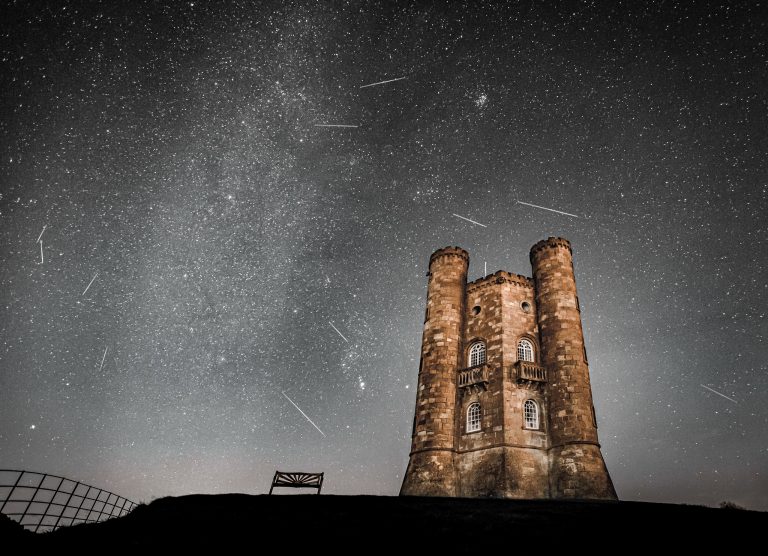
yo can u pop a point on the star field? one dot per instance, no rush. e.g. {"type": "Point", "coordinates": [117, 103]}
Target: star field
{"type": "Point", "coordinates": [173, 152]}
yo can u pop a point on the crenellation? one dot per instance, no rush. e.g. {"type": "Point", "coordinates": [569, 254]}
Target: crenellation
{"type": "Point", "coordinates": [500, 277]}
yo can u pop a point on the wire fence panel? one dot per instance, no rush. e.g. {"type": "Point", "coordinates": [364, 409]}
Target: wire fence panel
{"type": "Point", "coordinates": [43, 502]}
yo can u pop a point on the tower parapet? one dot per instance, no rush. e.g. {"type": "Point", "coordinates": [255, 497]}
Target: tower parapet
{"type": "Point", "coordinates": [448, 252]}
{"type": "Point", "coordinates": [500, 277]}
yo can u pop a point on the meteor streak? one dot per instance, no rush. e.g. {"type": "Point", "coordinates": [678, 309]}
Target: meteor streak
{"type": "Point", "coordinates": [718, 393]}
{"type": "Point", "coordinates": [337, 330]}
{"type": "Point", "coordinates": [382, 82]}
{"type": "Point", "coordinates": [300, 411]}
{"type": "Point", "coordinates": [468, 220]}
{"type": "Point", "coordinates": [103, 358]}
{"type": "Point", "coordinates": [89, 283]}
{"type": "Point", "coordinates": [549, 209]}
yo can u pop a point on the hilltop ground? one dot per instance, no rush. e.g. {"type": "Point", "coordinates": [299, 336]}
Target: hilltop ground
{"type": "Point", "coordinates": [372, 523]}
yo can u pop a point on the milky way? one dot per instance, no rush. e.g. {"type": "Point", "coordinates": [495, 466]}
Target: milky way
{"type": "Point", "coordinates": [211, 251]}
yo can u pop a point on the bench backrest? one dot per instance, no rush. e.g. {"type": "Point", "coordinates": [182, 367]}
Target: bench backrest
{"type": "Point", "coordinates": [297, 479]}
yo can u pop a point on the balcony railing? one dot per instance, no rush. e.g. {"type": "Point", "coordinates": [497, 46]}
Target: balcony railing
{"type": "Point", "coordinates": [473, 375]}
{"type": "Point", "coordinates": [530, 371]}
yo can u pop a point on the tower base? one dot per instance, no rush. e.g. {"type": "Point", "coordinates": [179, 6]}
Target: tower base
{"type": "Point", "coordinates": [577, 470]}
{"type": "Point", "coordinates": [503, 472]}
{"type": "Point", "coordinates": [430, 473]}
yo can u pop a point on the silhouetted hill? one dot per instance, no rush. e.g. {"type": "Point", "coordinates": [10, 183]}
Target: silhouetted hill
{"type": "Point", "coordinates": [11, 530]}
{"type": "Point", "coordinates": [370, 523]}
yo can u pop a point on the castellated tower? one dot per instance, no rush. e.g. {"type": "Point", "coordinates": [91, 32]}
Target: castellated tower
{"type": "Point", "coordinates": [504, 404]}
{"type": "Point", "coordinates": [432, 470]}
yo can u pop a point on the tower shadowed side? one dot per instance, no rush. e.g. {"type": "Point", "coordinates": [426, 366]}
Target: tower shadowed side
{"type": "Point", "coordinates": [577, 469]}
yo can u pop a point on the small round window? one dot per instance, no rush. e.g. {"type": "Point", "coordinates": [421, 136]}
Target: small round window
{"type": "Point", "coordinates": [476, 310]}
{"type": "Point", "coordinates": [526, 307]}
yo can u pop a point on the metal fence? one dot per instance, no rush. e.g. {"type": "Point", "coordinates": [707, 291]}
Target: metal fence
{"type": "Point", "coordinates": [42, 502]}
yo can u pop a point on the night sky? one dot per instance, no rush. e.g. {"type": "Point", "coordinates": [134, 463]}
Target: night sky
{"type": "Point", "coordinates": [172, 154]}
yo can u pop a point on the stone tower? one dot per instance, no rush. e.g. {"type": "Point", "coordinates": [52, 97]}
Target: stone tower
{"type": "Point", "coordinates": [504, 404]}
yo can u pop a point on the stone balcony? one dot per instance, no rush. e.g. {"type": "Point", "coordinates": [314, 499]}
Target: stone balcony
{"type": "Point", "coordinates": [525, 371]}
{"type": "Point", "coordinates": [475, 377]}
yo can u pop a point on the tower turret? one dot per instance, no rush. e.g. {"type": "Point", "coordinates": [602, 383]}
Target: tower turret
{"type": "Point", "coordinates": [431, 468]}
{"type": "Point", "coordinates": [577, 469]}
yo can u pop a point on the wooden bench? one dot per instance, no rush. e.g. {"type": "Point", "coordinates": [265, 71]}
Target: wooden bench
{"type": "Point", "coordinates": [297, 480]}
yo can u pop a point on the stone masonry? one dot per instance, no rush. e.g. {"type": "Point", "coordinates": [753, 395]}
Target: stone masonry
{"type": "Point", "coordinates": [511, 455]}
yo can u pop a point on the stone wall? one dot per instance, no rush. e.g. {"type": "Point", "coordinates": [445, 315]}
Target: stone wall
{"type": "Point", "coordinates": [504, 459]}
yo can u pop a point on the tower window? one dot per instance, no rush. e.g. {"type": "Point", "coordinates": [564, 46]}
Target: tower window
{"type": "Point", "coordinates": [473, 417]}
{"type": "Point", "coordinates": [531, 414]}
{"type": "Point", "coordinates": [477, 354]}
{"type": "Point", "coordinates": [525, 350]}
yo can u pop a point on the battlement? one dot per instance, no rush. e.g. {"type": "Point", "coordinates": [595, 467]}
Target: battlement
{"type": "Point", "coordinates": [551, 243]}
{"type": "Point", "coordinates": [449, 252]}
{"type": "Point", "coordinates": [500, 277]}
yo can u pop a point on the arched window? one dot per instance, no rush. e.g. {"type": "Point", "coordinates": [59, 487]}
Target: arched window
{"type": "Point", "coordinates": [477, 354]}
{"type": "Point", "coordinates": [531, 414]}
{"type": "Point", "coordinates": [525, 350]}
{"type": "Point", "coordinates": [473, 417]}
